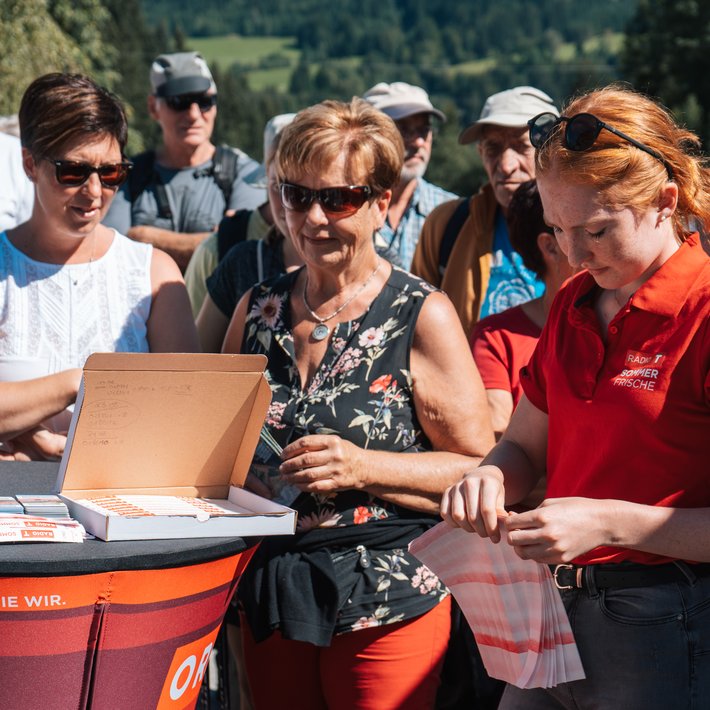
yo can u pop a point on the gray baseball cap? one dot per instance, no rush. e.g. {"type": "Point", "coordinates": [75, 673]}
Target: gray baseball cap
{"type": "Point", "coordinates": [512, 108]}
{"type": "Point", "coordinates": [180, 73]}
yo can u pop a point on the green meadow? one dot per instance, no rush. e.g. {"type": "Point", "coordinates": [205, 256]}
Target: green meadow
{"type": "Point", "coordinates": [269, 61]}
{"type": "Point", "coordinates": [226, 50]}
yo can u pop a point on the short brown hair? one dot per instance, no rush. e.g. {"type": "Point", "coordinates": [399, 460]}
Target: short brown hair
{"type": "Point", "coordinates": [57, 109]}
{"type": "Point", "coordinates": [525, 222]}
{"type": "Point", "coordinates": [624, 175]}
{"type": "Point", "coordinates": [319, 134]}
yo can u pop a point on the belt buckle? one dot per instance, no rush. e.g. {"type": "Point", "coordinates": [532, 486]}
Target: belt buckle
{"type": "Point", "coordinates": [578, 578]}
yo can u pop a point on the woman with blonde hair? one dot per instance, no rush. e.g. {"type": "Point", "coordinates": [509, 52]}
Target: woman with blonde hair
{"type": "Point", "coordinates": [616, 410]}
{"type": "Point", "coordinates": [379, 408]}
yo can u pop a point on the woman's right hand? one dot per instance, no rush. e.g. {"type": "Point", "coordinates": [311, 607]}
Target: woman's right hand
{"type": "Point", "coordinates": [476, 502]}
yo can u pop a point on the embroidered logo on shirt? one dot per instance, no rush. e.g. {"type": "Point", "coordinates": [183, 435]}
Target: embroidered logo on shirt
{"type": "Point", "coordinates": [641, 370]}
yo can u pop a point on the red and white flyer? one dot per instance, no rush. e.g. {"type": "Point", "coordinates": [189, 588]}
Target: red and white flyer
{"type": "Point", "coordinates": [31, 528]}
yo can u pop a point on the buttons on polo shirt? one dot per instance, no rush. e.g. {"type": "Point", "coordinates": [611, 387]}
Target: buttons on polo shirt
{"type": "Point", "coordinates": [613, 329]}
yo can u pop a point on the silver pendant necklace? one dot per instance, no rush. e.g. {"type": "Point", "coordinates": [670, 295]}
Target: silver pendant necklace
{"type": "Point", "coordinates": [321, 330]}
{"type": "Point", "coordinates": [75, 279]}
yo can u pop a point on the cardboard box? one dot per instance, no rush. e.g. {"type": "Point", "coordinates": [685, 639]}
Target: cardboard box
{"type": "Point", "coordinates": [169, 425]}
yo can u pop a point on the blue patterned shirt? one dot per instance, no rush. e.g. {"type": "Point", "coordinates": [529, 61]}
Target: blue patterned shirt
{"type": "Point", "coordinates": [511, 282]}
{"type": "Point", "coordinates": [403, 240]}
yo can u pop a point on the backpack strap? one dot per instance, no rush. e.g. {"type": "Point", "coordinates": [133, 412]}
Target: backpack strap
{"type": "Point", "coordinates": [231, 231]}
{"type": "Point", "coordinates": [224, 170]}
{"type": "Point", "coordinates": [451, 232]}
{"type": "Point", "coordinates": [142, 176]}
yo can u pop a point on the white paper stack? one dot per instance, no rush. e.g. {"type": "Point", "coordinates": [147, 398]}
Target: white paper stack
{"type": "Point", "coordinates": [512, 606]}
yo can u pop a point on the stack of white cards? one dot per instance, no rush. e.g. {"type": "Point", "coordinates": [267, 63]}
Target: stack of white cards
{"type": "Point", "coordinates": [511, 605]}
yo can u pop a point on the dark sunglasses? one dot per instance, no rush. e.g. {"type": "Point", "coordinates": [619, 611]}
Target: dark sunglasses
{"type": "Point", "coordinates": [73, 174]}
{"type": "Point", "coordinates": [581, 132]}
{"type": "Point", "coordinates": [182, 102]}
{"type": "Point", "coordinates": [336, 200]}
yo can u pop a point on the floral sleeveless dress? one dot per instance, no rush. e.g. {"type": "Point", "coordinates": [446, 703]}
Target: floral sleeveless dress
{"type": "Point", "coordinates": [362, 392]}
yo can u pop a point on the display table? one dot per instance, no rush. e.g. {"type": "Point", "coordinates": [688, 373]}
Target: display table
{"type": "Point", "coordinates": [107, 625]}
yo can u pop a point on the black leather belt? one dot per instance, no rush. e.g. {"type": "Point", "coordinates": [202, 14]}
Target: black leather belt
{"type": "Point", "coordinates": [567, 576]}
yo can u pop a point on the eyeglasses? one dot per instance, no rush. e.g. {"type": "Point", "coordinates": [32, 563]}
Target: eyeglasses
{"type": "Point", "coordinates": [72, 174]}
{"type": "Point", "coordinates": [581, 132]}
{"type": "Point", "coordinates": [413, 132]}
{"type": "Point", "coordinates": [336, 200]}
{"type": "Point", "coordinates": [182, 102]}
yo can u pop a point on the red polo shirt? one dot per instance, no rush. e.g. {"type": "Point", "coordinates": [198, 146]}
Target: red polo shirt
{"type": "Point", "coordinates": [629, 419]}
{"type": "Point", "coordinates": [501, 344]}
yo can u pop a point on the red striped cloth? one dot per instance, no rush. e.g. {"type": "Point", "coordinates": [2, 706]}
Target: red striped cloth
{"type": "Point", "coordinates": [511, 605]}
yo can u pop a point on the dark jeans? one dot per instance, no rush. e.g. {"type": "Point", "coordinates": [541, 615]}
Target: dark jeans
{"type": "Point", "coordinates": [646, 648]}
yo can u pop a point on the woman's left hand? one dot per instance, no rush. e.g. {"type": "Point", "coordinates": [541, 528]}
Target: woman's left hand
{"type": "Point", "coordinates": [323, 463]}
{"type": "Point", "coordinates": [560, 530]}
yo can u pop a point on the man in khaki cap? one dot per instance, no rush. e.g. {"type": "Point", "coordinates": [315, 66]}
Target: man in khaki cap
{"type": "Point", "coordinates": [413, 198]}
{"type": "Point", "coordinates": [464, 247]}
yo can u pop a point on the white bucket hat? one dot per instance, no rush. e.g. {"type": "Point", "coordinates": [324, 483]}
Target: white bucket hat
{"type": "Point", "coordinates": [512, 108]}
{"type": "Point", "coordinates": [399, 100]}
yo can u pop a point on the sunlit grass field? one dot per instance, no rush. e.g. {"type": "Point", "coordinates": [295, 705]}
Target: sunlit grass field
{"type": "Point", "coordinates": [230, 49]}
{"type": "Point", "coordinates": [269, 61]}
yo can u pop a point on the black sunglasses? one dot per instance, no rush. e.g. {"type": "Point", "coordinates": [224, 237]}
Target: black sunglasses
{"type": "Point", "coordinates": [182, 102]}
{"type": "Point", "coordinates": [72, 174]}
{"type": "Point", "coordinates": [336, 200]}
{"type": "Point", "coordinates": [581, 132]}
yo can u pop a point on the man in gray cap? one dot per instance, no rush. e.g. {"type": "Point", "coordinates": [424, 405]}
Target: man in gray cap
{"type": "Point", "coordinates": [413, 198]}
{"type": "Point", "coordinates": [176, 195]}
{"type": "Point", "coordinates": [464, 247]}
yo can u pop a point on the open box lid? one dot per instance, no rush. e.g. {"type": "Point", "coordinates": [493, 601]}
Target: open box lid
{"type": "Point", "coordinates": [164, 424]}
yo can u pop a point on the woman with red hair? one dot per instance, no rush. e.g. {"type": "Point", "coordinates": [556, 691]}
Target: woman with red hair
{"type": "Point", "coordinates": [616, 409]}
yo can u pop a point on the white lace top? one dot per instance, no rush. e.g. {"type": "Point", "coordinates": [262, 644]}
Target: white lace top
{"type": "Point", "coordinates": [65, 312]}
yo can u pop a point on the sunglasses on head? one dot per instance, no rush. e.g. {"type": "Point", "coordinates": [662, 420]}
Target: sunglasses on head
{"type": "Point", "coordinates": [182, 102]}
{"type": "Point", "coordinates": [72, 174]}
{"type": "Point", "coordinates": [581, 132]}
{"type": "Point", "coordinates": [336, 200]}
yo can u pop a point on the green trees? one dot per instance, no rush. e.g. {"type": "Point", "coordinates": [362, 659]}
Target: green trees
{"type": "Point", "coordinates": [137, 45]}
{"type": "Point", "coordinates": [459, 51]}
{"type": "Point", "coordinates": [45, 35]}
{"type": "Point", "coordinates": [106, 39]}
{"type": "Point", "coordinates": [667, 54]}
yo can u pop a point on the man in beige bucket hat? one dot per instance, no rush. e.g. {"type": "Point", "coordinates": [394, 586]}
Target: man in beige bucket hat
{"type": "Point", "coordinates": [464, 247]}
{"type": "Point", "coordinates": [413, 197]}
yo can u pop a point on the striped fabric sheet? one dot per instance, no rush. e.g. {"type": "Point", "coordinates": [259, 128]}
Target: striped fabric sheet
{"type": "Point", "coordinates": [512, 607]}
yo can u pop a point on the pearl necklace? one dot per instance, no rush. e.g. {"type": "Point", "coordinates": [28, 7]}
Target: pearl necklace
{"type": "Point", "coordinates": [321, 330]}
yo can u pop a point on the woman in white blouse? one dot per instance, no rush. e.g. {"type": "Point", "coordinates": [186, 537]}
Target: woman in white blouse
{"type": "Point", "coordinates": [68, 285]}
